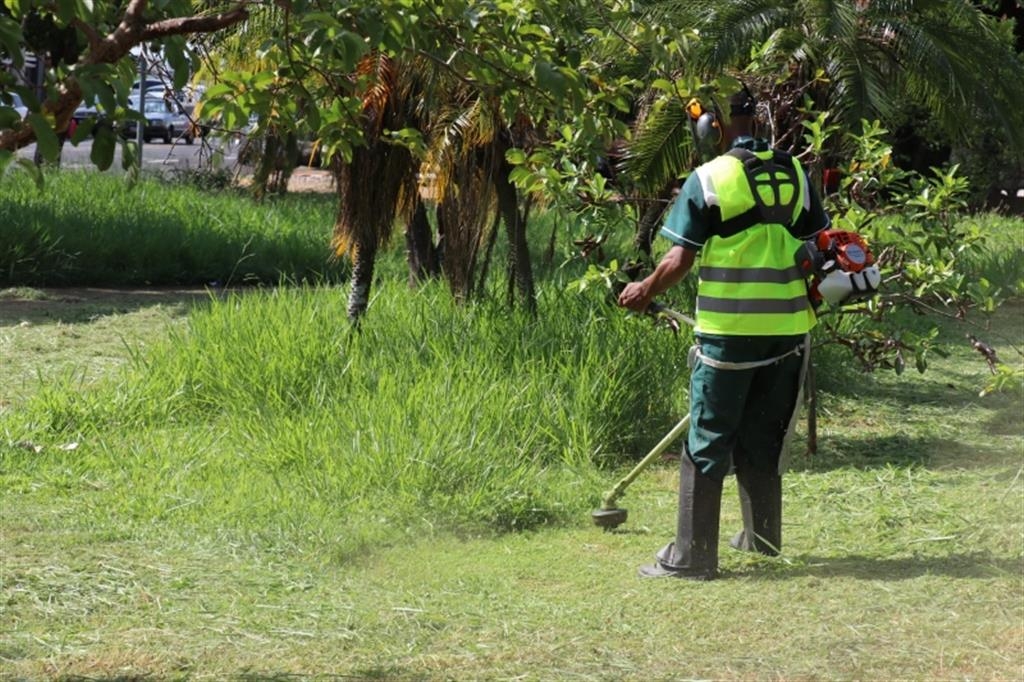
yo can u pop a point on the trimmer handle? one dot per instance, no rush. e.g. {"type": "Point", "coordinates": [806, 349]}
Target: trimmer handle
{"type": "Point", "coordinates": [656, 308]}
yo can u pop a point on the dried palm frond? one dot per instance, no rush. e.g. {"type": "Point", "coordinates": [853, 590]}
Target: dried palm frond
{"type": "Point", "coordinates": [377, 186]}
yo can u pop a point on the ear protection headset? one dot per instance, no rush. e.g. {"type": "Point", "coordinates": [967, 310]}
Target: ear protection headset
{"type": "Point", "coordinates": [707, 125]}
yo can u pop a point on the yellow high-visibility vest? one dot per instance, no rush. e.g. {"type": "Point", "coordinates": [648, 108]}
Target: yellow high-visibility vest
{"type": "Point", "coordinates": [749, 283]}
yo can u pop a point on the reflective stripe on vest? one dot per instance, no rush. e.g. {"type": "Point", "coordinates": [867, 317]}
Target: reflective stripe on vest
{"type": "Point", "coordinates": [736, 275]}
{"type": "Point", "coordinates": [745, 306]}
{"type": "Point", "coordinates": [749, 284]}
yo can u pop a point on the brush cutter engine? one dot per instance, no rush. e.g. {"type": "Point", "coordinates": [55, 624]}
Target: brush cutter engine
{"type": "Point", "coordinates": [841, 267]}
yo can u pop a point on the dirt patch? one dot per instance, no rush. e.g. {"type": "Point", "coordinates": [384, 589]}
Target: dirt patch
{"type": "Point", "coordinates": [29, 305]}
{"type": "Point", "coordinates": [303, 180]}
{"type": "Point", "coordinates": [306, 179]}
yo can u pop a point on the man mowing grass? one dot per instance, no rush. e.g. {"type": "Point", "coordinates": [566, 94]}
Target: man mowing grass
{"type": "Point", "coordinates": [749, 212]}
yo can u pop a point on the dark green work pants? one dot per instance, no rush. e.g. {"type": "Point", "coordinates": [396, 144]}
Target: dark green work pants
{"type": "Point", "coordinates": [738, 418]}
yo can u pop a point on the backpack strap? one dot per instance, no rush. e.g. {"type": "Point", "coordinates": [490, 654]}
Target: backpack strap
{"type": "Point", "coordinates": [771, 173]}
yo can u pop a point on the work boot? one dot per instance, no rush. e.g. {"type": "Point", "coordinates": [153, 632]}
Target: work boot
{"type": "Point", "coordinates": [694, 554]}
{"type": "Point", "coordinates": [761, 505]}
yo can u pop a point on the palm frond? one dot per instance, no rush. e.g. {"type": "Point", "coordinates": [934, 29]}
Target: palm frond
{"type": "Point", "coordinates": [729, 29]}
{"type": "Point", "coordinates": [859, 88]}
{"type": "Point", "coordinates": [662, 148]}
{"type": "Point", "coordinates": [954, 62]}
{"type": "Point", "coordinates": [378, 186]}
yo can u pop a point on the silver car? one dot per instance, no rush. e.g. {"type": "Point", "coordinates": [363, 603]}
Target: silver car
{"type": "Point", "coordinates": [16, 103]}
{"type": "Point", "coordinates": [165, 119]}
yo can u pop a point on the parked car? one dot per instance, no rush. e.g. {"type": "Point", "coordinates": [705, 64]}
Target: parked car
{"type": "Point", "coordinates": [154, 88]}
{"type": "Point", "coordinates": [18, 104]}
{"type": "Point", "coordinates": [83, 113]}
{"type": "Point", "coordinates": [165, 119]}
{"type": "Point", "coordinates": [8, 119]}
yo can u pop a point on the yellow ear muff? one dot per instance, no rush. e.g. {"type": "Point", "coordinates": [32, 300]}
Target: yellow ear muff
{"type": "Point", "coordinates": [694, 108]}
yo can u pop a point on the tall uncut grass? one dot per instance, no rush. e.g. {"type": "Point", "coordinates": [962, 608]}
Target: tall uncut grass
{"type": "Point", "coordinates": [90, 228]}
{"type": "Point", "coordinates": [269, 411]}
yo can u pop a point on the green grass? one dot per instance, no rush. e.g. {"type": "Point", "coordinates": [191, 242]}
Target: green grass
{"type": "Point", "coordinates": [1000, 259]}
{"type": "Point", "coordinates": [239, 485]}
{"type": "Point", "coordinates": [463, 416]}
{"type": "Point", "coordinates": [87, 228]}
{"type": "Point", "coordinates": [259, 493]}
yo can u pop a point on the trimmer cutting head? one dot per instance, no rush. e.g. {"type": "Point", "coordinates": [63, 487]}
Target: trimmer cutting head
{"type": "Point", "coordinates": [609, 518]}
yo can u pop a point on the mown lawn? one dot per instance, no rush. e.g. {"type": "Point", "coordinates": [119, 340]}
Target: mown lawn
{"type": "Point", "coordinates": [903, 552]}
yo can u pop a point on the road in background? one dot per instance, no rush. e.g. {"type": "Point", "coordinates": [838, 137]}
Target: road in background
{"type": "Point", "coordinates": [170, 158]}
{"type": "Point", "coordinates": [156, 156]}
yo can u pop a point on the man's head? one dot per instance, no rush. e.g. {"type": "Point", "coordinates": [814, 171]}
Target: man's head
{"type": "Point", "coordinates": [742, 103]}
{"type": "Point", "coordinates": [742, 107]}
{"type": "Point", "coordinates": [714, 135]}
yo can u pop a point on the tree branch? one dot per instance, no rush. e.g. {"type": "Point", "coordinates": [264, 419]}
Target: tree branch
{"type": "Point", "coordinates": [90, 32]}
{"type": "Point", "coordinates": [195, 24]}
{"type": "Point", "coordinates": [131, 31]}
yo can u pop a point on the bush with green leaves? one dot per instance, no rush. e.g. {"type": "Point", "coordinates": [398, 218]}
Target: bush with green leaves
{"type": "Point", "coordinates": [935, 256]}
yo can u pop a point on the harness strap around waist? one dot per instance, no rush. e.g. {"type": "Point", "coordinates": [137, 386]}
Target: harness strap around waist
{"type": "Point", "coordinates": [695, 355]}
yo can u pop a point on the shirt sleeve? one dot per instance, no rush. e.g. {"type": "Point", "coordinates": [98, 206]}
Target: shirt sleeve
{"type": "Point", "coordinates": [816, 218]}
{"type": "Point", "coordinates": [687, 223]}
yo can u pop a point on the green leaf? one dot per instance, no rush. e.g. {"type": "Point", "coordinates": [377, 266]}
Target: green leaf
{"type": "Point", "coordinates": [548, 78]}
{"type": "Point", "coordinates": [129, 155]}
{"type": "Point", "coordinates": [46, 139]}
{"type": "Point", "coordinates": [355, 48]}
{"type": "Point", "coordinates": [66, 10]}
{"type": "Point", "coordinates": [103, 146]}
{"type": "Point", "coordinates": [106, 99]}
{"type": "Point", "coordinates": [10, 40]}
{"type": "Point", "coordinates": [175, 55]}
{"type": "Point", "coordinates": [515, 156]}
{"type": "Point", "coordinates": [218, 90]}
{"type": "Point", "coordinates": [83, 130]}
{"type": "Point", "coordinates": [33, 171]}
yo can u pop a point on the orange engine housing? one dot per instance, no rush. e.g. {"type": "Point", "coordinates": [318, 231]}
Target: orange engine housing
{"type": "Point", "coordinates": [849, 249]}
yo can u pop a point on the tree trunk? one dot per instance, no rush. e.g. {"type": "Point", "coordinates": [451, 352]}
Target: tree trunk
{"type": "Point", "coordinates": [485, 265]}
{"type": "Point", "coordinates": [651, 218]}
{"type": "Point", "coordinates": [275, 164]}
{"type": "Point", "coordinates": [363, 261]}
{"type": "Point", "coordinates": [421, 253]}
{"type": "Point", "coordinates": [520, 269]}
{"type": "Point", "coordinates": [549, 255]}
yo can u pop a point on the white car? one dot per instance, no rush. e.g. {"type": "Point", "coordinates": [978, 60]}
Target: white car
{"type": "Point", "coordinates": [12, 111]}
{"type": "Point", "coordinates": [165, 119]}
{"type": "Point", "coordinates": [154, 88]}
{"type": "Point", "coordinates": [17, 103]}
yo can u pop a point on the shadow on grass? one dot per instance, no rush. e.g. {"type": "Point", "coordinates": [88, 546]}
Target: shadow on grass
{"type": "Point", "coordinates": [872, 452]}
{"type": "Point", "coordinates": [86, 304]}
{"type": "Point", "coordinates": [910, 389]}
{"type": "Point", "coordinates": [966, 566]}
{"type": "Point", "coordinates": [900, 450]}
